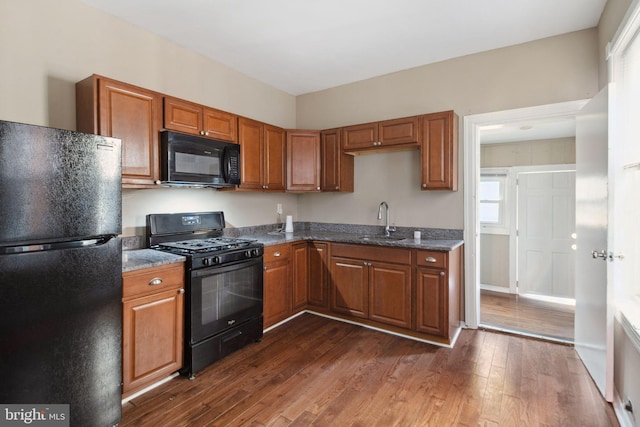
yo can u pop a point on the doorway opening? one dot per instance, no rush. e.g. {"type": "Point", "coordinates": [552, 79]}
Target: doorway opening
{"type": "Point", "coordinates": [517, 306]}
{"type": "Point", "coordinates": [527, 234]}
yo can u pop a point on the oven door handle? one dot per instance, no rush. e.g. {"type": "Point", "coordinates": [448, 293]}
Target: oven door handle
{"type": "Point", "coordinates": [219, 269]}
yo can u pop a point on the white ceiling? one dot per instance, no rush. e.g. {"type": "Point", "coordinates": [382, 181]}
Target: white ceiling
{"type": "Point", "coordinates": [302, 46]}
{"type": "Point", "coordinates": [531, 130]}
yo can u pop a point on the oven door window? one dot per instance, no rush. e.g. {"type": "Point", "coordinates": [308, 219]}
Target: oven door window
{"type": "Point", "coordinates": [222, 297]}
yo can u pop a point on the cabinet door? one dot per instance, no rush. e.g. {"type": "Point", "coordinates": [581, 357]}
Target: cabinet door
{"type": "Point", "coordinates": [277, 292]}
{"type": "Point", "coordinates": [440, 151]}
{"type": "Point", "coordinates": [182, 116]}
{"type": "Point", "coordinates": [390, 294]}
{"type": "Point", "coordinates": [152, 338]}
{"type": "Point", "coordinates": [218, 124]}
{"type": "Point", "coordinates": [250, 138]}
{"type": "Point", "coordinates": [318, 269]}
{"type": "Point", "coordinates": [349, 287]}
{"type": "Point", "coordinates": [303, 161]}
{"type": "Point", "coordinates": [403, 131]}
{"type": "Point", "coordinates": [360, 136]}
{"type": "Point", "coordinates": [275, 174]}
{"type": "Point", "coordinates": [300, 277]}
{"type": "Point", "coordinates": [335, 166]}
{"type": "Point", "coordinates": [132, 114]}
{"type": "Point", "coordinates": [432, 303]}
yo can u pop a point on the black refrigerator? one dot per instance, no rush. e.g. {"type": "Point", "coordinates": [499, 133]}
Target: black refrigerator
{"type": "Point", "coordinates": [60, 274]}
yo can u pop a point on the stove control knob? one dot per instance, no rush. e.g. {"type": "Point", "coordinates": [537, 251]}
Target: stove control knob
{"type": "Point", "coordinates": [248, 253]}
{"type": "Point", "coordinates": [215, 260]}
{"type": "Point", "coordinates": [255, 252]}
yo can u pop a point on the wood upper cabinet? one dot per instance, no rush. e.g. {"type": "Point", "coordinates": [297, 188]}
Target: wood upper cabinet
{"type": "Point", "coordinates": [275, 167]}
{"type": "Point", "coordinates": [188, 117]}
{"type": "Point", "coordinates": [439, 151]}
{"type": "Point", "coordinates": [372, 282]}
{"type": "Point", "coordinates": [303, 160]}
{"type": "Point", "coordinates": [438, 286]}
{"type": "Point", "coordinates": [277, 284]}
{"type": "Point", "coordinates": [386, 135]}
{"type": "Point", "coordinates": [318, 267]}
{"type": "Point", "coordinates": [152, 334]}
{"type": "Point", "coordinates": [262, 156]}
{"type": "Point", "coordinates": [358, 137]}
{"type": "Point", "coordinates": [336, 168]}
{"type": "Point", "coordinates": [111, 108]}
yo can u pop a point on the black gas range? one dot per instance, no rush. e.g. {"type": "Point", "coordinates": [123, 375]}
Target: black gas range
{"type": "Point", "coordinates": [223, 284]}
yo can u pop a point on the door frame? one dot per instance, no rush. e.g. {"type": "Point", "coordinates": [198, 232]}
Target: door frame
{"type": "Point", "coordinates": [473, 125]}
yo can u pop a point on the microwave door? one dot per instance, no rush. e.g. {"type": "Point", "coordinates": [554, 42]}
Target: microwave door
{"type": "Point", "coordinates": [196, 165]}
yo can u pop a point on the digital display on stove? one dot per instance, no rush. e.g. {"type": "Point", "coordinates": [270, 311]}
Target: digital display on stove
{"type": "Point", "coordinates": [191, 220]}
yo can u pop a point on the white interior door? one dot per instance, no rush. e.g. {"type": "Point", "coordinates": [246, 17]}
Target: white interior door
{"type": "Point", "coordinates": [593, 318]}
{"type": "Point", "coordinates": [545, 224]}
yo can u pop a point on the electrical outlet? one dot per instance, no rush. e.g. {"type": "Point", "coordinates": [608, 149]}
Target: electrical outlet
{"type": "Point", "coordinates": [279, 208]}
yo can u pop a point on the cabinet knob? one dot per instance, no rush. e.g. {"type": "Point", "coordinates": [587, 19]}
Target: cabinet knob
{"type": "Point", "coordinates": [442, 273]}
{"type": "Point", "coordinates": [181, 291]}
{"type": "Point", "coordinates": [430, 259]}
{"type": "Point", "coordinates": [155, 281]}
{"type": "Point", "coordinates": [337, 188]}
{"type": "Point", "coordinates": [277, 254]}
{"type": "Point", "coordinates": [201, 132]}
{"type": "Point", "coordinates": [318, 188]}
{"type": "Point", "coordinates": [424, 185]}
{"type": "Point", "coordinates": [264, 268]}
{"type": "Point", "coordinates": [206, 134]}
{"type": "Point", "coordinates": [158, 182]}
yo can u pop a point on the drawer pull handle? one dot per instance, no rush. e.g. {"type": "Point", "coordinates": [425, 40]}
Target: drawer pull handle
{"type": "Point", "coordinates": [277, 254]}
{"type": "Point", "coordinates": [156, 281]}
{"type": "Point", "coordinates": [430, 259]}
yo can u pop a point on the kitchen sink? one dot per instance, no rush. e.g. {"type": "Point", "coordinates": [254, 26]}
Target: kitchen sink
{"type": "Point", "coordinates": [381, 237]}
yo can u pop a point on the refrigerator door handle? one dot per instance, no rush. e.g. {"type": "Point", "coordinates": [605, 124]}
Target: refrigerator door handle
{"type": "Point", "coordinates": [39, 247]}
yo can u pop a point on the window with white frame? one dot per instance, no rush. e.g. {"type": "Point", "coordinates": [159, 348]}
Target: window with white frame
{"type": "Point", "coordinates": [493, 201]}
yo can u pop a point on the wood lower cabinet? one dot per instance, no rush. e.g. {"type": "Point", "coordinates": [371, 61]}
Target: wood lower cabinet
{"type": "Point", "coordinates": [439, 151]}
{"type": "Point", "coordinates": [318, 268]}
{"type": "Point", "coordinates": [153, 325]}
{"type": "Point", "coordinates": [303, 161]}
{"type": "Point", "coordinates": [372, 282]}
{"type": "Point", "coordinates": [300, 275]}
{"type": "Point", "coordinates": [277, 284]}
{"type": "Point", "coordinates": [350, 286]}
{"type": "Point", "coordinates": [438, 292]}
{"type": "Point", "coordinates": [336, 167]}
{"type": "Point", "coordinates": [262, 156]}
{"type": "Point", "coordinates": [111, 108]}
{"type": "Point", "coordinates": [188, 117]}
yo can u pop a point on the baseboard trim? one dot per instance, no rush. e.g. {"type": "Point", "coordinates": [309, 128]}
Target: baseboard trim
{"type": "Point", "coordinates": [624, 417]}
{"type": "Point", "coordinates": [493, 288]}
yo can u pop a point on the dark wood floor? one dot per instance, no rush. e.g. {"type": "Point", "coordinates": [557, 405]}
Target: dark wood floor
{"type": "Point", "coordinates": [318, 371]}
{"type": "Point", "coordinates": [522, 314]}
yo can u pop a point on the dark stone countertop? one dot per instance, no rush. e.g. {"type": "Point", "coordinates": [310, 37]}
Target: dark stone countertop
{"type": "Point", "coordinates": [275, 238]}
{"type": "Point", "coordinates": [147, 258]}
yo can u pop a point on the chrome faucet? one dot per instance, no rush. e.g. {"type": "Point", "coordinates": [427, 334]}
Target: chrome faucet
{"type": "Point", "coordinates": [387, 229]}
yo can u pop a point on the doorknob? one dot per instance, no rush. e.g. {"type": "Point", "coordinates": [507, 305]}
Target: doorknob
{"type": "Point", "coordinates": [602, 254]}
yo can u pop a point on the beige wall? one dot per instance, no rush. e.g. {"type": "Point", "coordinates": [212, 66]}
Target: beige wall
{"type": "Point", "coordinates": [609, 22]}
{"type": "Point", "coordinates": [47, 46]}
{"type": "Point", "coordinates": [527, 153]}
{"type": "Point", "coordinates": [494, 260]}
{"type": "Point", "coordinates": [556, 69]}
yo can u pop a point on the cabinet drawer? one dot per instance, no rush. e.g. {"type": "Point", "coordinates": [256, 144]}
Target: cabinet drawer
{"type": "Point", "coordinates": [276, 253]}
{"type": "Point", "coordinates": [151, 280]}
{"type": "Point", "coordinates": [372, 253]}
{"type": "Point", "coordinates": [431, 259]}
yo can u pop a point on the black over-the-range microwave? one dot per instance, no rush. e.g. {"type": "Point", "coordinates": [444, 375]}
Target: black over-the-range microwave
{"type": "Point", "coordinates": [190, 160]}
